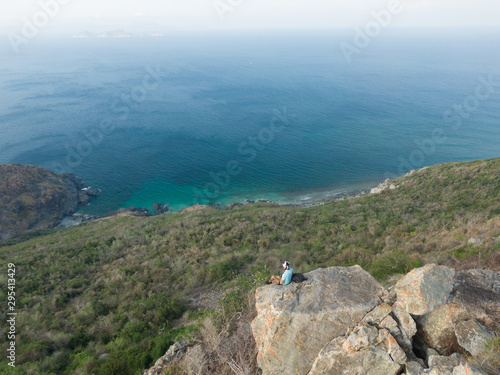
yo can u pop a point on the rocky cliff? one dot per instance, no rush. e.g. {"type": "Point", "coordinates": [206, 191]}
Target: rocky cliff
{"type": "Point", "coordinates": [34, 198]}
{"type": "Point", "coordinates": [342, 321]}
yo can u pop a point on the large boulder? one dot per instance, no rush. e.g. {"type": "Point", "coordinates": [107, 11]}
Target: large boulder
{"type": "Point", "coordinates": [366, 351]}
{"type": "Point", "coordinates": [473, 336]}
{"type": "Point", "coordinates": [414, 368]}
{"type": "Point", "coordinates": [467, 369]}
{"type": "Point", "coordinates": [445, 363]}
{"type": "Point", "coordinates": [93, 192]}
{"type": "Point", "coordinates": [475, 296]}
{"type": "Point", "coordinates": [424, 289]}
{"type": "Point", "coordinates": [437, 329]}
{"type": "Point", "coordinates": [296, 321]}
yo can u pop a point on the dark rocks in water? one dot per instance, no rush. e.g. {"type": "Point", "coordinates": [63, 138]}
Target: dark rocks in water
{"type": "Point", "coordinates": [85, 195]}
{"type": "Point", "coordinates": [93, 192]}
{"type": "Point", "coordinates": [136, 211]}
{"type": "Point", "coordinates": [217, 205]}
{"type": "Point", "coordinates": [76, 180]}
{"type": "Point", "coordinates": [249, 201]}
{"type": "Point", "coordinates": [264, 201]}
{"type": "Point", "coordinates": [83, 198]}
{"type": "Point", "coordinates": [160, 209]}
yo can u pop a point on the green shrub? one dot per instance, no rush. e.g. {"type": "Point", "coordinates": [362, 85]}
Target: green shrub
{"type": "Point", "coordinates": [394, 263]}
{"type": "Point", "coordinates": [464, 252]}
{"type": "Point", "coordinates": [159, 345]}
{"type": "Point", "coordinates": [99, 308]}
{"type": "Point", "coordinates": [79, 339]}
{"type": "Point", "coordinates": [220, 271]}
{"type": "Point", "coordinates": [164, 308]}
{"type": "Point", "coordinates": [494, 212]}
{"type": "Point", "coordinates": [128, 361]}
{"type": "Point", "coordinates": [134, 331]}
{"type": "Point", "coordinates": [79, 360]}
{"type": "Point", "coordinates": [55, 363]}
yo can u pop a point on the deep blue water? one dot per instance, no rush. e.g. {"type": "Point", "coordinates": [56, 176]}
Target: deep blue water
{"type": "Point", "coordinates": [283, 112]}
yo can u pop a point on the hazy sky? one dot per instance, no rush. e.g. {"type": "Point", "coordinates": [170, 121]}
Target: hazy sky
{"type": "Point", "coordinates": [201, 14]}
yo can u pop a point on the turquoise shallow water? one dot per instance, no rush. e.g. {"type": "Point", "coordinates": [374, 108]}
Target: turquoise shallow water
{"type": "Point", "coordinates": [224, 117]}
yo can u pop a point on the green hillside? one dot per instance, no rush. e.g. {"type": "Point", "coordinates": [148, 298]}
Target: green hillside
{"type": "Point", "coordinates": [103, 298]}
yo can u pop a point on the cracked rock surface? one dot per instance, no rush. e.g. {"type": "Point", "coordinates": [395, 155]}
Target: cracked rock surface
{"type": "Point", "coordinates": [342, 321]}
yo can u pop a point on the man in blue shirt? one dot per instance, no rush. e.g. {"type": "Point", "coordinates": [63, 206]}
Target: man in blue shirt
{"type": "Point", "coordinates": [286, 278]}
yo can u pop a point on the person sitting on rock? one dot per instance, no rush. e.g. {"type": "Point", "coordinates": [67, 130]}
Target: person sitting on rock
{"type": "Point", "coordinates": [286, 278]}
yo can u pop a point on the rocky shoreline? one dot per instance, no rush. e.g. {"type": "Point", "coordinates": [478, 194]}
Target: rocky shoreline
{"type": "Point", "coordinates": [67, 193]}
{"type": "Point", "coordinates": [338, 197]}
{"type": "Point", "coordinates": [163, 209]}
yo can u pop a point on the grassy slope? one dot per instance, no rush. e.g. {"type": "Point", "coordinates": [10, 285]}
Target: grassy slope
{"type": "Point", "coordinates": [110, 285]}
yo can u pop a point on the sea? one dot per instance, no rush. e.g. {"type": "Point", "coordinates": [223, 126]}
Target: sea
{"type": "Point", "coordinates": [210, 117]}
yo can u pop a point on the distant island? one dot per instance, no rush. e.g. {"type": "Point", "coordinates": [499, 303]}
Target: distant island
{"type": "Point", "coordinates": [113, 34]}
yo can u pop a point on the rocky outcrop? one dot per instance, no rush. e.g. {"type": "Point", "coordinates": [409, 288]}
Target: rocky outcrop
{"type": "Point", "coordinates": [93, 192]}
{"type": "Point", "coordinates": [83, 198]}
{"type": "Point", "coordinates": [472, 335]}
{"type": "Point", "coordinates": [424, 289]}
{"type": "Point", "coordinates": [132, 211]}
{"type": "Point", "coordinates": [265, 201]}
{"type": "Point", "coordinates": [432, 321]}
{"type": "Point", "coordinates": [475, 296]}
{"type": "Point", "coordinates": [466, 369]}
{"type": "Point", "coordinates": [85, 195]}
{"type": "Point", "coordinates": [34, 198]}
{"type": "Point", "coordinates": [295, 322]}
{"type": "Point", "coordinates": [383, 186]}
{"type": "Point", "coordinates": [75, 219]}
{"type": "Point", "coordinates": [174, 353]}
{"type": "Point", "coordinates": [160, 208]}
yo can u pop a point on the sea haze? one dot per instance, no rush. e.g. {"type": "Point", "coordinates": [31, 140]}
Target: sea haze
{"type": "Point", "coordinates": [227, 116]}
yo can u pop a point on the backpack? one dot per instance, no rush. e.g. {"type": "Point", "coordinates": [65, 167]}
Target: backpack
{"type": "Point", "coordinates": [298, 278]}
